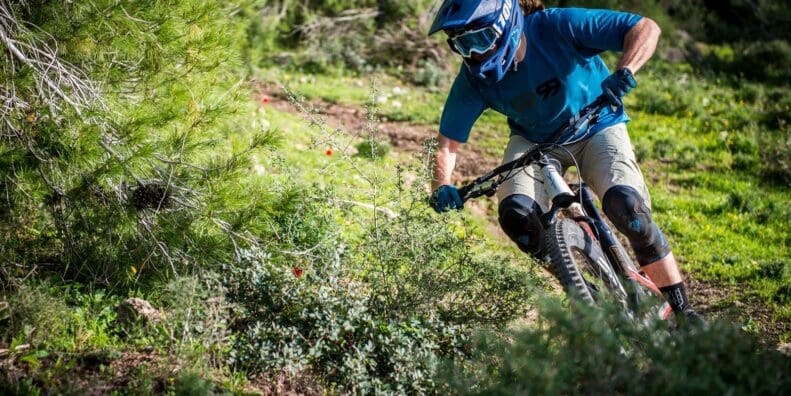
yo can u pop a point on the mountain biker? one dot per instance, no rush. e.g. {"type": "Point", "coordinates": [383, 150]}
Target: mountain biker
{"type": "Point", "coordinates": [539, 66]}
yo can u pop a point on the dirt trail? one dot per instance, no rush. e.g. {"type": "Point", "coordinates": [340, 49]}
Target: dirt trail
{"type": "Point", "coordinates": [403, 136]}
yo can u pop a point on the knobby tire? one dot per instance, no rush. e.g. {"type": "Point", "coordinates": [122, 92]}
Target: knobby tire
{"type": "Point", "coordinates": [575, 256]}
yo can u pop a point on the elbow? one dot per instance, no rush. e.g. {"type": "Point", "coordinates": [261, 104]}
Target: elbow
{"type": "Point", "coordinates": [653, 27]}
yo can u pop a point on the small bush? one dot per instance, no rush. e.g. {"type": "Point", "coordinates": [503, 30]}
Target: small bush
{"type": "Point", "coordinates": [429, 74]}
{"type": "Point", "coordinates": [198, 316]}
{"type": "Point", "coordinates": [764, 61]}
{"type": "Point", "coordinates": [417, 264]}
{"type": "Point", "coordinates": [318, 320]}
{"type": "Point", "coordinates": [373, 149]}
{"type": "Point", "coordinates": [190, 383]}
{"type": "Point", "coordinates": [355, 35]}
{"type": "Point", "coordinates": [601, 352]}
{"type": "Point", "coordinates": [776, 269]}
{"type": "Point", "coordinates": [783, 294]}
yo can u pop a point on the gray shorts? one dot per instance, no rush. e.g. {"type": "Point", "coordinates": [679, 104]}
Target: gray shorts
{"type": "Point", "coordinates": [604, 160]}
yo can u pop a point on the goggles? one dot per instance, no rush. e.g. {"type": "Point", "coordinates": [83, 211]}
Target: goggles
{"type": "Point", "coordinates": [479, 41]}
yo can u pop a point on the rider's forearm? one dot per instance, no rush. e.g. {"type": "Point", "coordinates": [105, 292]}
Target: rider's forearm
{"type": "Point", "coordinates": [639, 45]}
{"type": "Point", "coordinates": [445, 161]}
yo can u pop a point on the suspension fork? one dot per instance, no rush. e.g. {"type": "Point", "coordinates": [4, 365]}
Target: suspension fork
{"type": "Point", "coordinates": [562, 196]}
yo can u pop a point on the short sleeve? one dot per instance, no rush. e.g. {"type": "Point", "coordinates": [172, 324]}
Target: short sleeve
{"type": "Point", "coordinates": [462, 108]}
{"type": "Point", "coordinates": [596, 29]}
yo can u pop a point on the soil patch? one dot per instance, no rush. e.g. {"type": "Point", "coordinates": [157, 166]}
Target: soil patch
{"type": "Point", "coordinates": [721, 301]}
{"type": "Point", "coordinates": [403, 136]}
{"type": "Point", "coordinates": [107, 373]}
{"type": "Point", "coordinates": [93, 373]}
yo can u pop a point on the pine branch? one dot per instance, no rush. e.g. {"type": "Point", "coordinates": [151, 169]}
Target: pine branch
{"type": "Point", "coordinates": [56, 80]}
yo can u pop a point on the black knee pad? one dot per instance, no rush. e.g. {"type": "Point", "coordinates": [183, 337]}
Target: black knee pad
{"type": "Point", "coordinates": [520, 218]}
{"type": "Point", "coordinates": [624, 206]}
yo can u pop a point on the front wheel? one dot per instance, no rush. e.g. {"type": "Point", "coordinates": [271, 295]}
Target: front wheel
{"type": "Point", "coordinates": [581, 266]}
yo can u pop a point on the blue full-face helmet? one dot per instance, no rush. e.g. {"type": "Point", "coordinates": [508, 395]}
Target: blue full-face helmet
{"type": "Point", "coordinates": [478, 26]}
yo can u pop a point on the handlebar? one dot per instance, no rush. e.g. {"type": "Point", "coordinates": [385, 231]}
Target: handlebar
{"type": "Point", "coordinates": [586, 117]}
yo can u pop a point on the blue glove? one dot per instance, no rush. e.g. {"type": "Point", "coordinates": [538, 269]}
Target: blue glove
{"type": "Point", "coordinates": [617, 85]}
{"type": "Point", "coordinates": [446, 197]}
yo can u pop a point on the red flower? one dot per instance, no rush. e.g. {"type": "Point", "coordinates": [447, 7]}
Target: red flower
{"type": "Point", "coordinates": [297, 272]}
{"type": "Point", "coordinates": [328, 152]}
{"type": "Point", "coordinates": [264, 99]}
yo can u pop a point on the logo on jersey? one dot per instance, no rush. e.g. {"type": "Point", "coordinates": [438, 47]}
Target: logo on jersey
{"type": "Point", "coordinates": [549, 88]}
{"type": "Point", "coordinates": [546, 89]}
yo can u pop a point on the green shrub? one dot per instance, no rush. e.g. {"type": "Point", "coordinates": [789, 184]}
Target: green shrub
{"type": "Point", "coordinates": [356, 36]}
{"type": "Point", "coordinates": [777, 269]}
{"type": "Point", "coordinates": [601, 352]}
{"type": "Point", "coordinates": [776, 156]}
{"type": "Point", "coordinates": [198, 318]}
{"type": "Point", "coordinates": [369, 309]}
{"type": "Point", "coordinates": [368, 293]}
{"type": "Point", "coordinates": [429, 74]}
{"type": "Point", "coordinates": [765, 61]}
{"type": "Point", "coordinates": [783, 294]}
{"type": "Point", "coordinates": [373, 149]}
{"type": "Point", "coordinates": [32, 315]}
{"type": "Point", "coordinates": [419, 264]}
{"type": "Point", "coordinates": [189, 383]}
{"type": "Point", "coordinates": [59, 317]}
{"type": "Point", "coordinates": [319, 321]}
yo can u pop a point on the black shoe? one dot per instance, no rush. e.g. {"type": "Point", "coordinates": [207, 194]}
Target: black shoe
{"type": "Point", "coordinates": [690, 317]}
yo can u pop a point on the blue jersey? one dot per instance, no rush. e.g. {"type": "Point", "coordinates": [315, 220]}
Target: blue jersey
{"type": "Point", "coordinates": [560, 74]}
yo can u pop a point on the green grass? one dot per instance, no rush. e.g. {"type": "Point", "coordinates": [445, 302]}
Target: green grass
{"type": "Point", "coordinates": [698, 140]}
{"type": "Point", "coordinates": [727, 222]}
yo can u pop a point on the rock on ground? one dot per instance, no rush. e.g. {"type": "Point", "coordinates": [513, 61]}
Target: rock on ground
{"type": "Point", "coordinates": [137, 310]}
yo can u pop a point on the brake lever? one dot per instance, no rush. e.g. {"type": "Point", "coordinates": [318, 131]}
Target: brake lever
{"type": "Point", "coordinates": [464, 191]}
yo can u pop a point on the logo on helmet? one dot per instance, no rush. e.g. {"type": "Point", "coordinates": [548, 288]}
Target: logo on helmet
{"type": "Point", "coordinates": [504, 17]}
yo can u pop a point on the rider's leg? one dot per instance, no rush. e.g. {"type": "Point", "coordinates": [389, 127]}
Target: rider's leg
{"type": "Point", "coordinates": [630, 214]}
{"type": "Point", "coordinates": [609, 166]}
{"type": "Point", "coordinates": [624, 206]}
{"type": "Point", "coordinates": [665, 274]}
{"type": "Point", "coordinates": [522, 201]}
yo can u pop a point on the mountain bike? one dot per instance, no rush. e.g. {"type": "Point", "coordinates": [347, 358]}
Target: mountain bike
{"type": "Point", "coordinates": [584, 254]}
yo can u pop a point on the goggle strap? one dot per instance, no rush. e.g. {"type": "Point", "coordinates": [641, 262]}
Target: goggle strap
{"type": "Point", "coordinates": [453, 46]}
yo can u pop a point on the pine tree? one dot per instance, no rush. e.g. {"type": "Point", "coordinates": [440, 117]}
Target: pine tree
{"type": "Point", "coordinates": [111, 164]}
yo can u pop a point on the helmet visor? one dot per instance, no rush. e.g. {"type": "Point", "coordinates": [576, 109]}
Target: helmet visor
{"type": "Point", "coordinates": [479, 41]}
